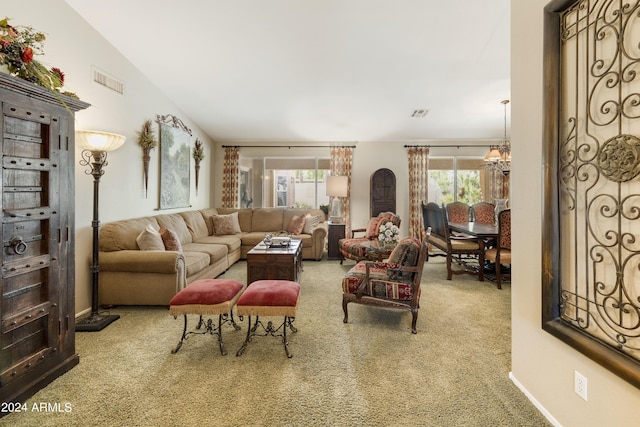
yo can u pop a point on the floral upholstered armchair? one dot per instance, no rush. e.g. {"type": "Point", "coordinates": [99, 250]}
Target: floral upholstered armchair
{"type": "Point", "coordinates": [394, 283]}
{"type": "Point", "coordinates": [355, 248]}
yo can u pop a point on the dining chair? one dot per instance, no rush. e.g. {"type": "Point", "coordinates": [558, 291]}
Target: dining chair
{"type": "Point", "coordinates": [501, 253]}
{"type": "Point", "coordinates": [484, 213]}
{"type": "Point", "coordinates": [458, 212]}
{"type": "Point", "coordinates": [460, 247]}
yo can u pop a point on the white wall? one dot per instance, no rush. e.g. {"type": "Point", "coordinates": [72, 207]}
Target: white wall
{"type": "Point", "coordinates": [73, 46]}
{"type": "Point", "coordinates": [541, 364]}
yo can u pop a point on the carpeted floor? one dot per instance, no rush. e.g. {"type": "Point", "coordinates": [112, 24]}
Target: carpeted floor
{"type": "Point", "coordinates": [369, 372]}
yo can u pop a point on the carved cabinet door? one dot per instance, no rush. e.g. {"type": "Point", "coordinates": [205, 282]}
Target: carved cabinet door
{"type": "Point", "coordinates": [37, 288]}
{"type": "Point", "coordinates": [383, 192]}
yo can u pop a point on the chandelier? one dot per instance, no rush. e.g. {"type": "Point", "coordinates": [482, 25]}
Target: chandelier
{"type": "Point", "coordinates": [499, 156]}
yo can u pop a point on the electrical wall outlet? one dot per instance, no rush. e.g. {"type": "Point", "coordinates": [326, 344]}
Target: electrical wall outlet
{"type": "Point", "coordinates": [580, 385]}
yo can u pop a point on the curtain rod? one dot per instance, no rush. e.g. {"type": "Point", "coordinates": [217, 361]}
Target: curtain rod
{"type": "Point", "coordinates": [450, 145]}
{"type": "Point", "coordinates": [288, 146]}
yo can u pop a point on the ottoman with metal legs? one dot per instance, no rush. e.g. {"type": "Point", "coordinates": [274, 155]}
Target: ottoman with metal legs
{"type": "Point", "coordinates": [269, 298]}
{"type": "Point", "coordinates": [204, 298]}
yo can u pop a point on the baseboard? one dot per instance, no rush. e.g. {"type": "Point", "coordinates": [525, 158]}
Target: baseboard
{"type": "Point", "coordinates": [83, 312]}
{"type": "Point", "coordinates": [533, 400]}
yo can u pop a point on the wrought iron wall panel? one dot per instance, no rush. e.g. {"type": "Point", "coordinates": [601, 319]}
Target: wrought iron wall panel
{"type": "Point", "coordinates": [595, 276]}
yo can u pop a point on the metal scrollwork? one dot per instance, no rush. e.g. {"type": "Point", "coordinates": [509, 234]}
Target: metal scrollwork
{"type": "Point", "coordinates": [592, 249]}
{"type": "Point", "coordinates": [619, 158]}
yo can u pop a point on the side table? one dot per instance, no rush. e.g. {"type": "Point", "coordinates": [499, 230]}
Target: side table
{"type": "Point", "coordinates": [335, 233]}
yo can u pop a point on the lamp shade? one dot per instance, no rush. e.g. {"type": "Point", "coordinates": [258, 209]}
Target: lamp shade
{"type": "Point", "coordinates": [337, 186]}
{"type": "Point", "coordinates": [493, 155]}
{"type": "Point", "coordinates": [94, 140]}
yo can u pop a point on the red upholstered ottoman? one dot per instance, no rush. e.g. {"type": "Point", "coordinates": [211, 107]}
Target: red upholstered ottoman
{"type": "Point", "coordinates": [207, 297]}
{"type": "Point", "coordinates": [269, 298]}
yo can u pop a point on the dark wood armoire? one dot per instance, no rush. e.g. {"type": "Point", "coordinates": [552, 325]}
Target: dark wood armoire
{"type": "Point", "coordinates": [383, 192]}
{"type": "Point", "coordinates": [37, 342]}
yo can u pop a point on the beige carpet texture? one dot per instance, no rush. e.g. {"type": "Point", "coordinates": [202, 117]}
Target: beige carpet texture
{"type": "Point", "coordinates": [370, 372]}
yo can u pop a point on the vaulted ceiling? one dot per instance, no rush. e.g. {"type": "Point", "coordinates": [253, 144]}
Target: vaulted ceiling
{"type": "Point", "coordinates": [320, 70]}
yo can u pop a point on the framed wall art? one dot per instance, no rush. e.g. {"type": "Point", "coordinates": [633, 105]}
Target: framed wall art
{"type": "Point", "coordinates": [591, 231]}
{"type": "Point", "coordinates": [175, 154]}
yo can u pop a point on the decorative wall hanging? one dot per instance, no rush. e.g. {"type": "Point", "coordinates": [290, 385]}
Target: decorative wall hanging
{"type": "Point", "coordinates": [175, 144]}
{"type": "Point", "coordinates": [591, 244]}
{"type": "Point", "coordinates": [198, 155]}
{"type": "Point", "coordinates": [147, 141]}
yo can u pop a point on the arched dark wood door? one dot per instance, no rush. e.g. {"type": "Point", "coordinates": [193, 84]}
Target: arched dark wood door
{"type": "Point", "coordinates": [383, 192]}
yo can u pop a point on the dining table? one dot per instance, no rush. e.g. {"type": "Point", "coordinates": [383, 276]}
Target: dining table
{"type": "Point", "coordinates": [476, 229]}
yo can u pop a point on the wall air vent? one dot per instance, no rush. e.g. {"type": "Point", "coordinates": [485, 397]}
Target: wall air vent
{"type": "Point", "coordinates": [107, 81]}
{"type": "Point", "coordinates": [419, 113]}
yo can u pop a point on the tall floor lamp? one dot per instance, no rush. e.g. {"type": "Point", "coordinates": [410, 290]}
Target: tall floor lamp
{"type": "Point", "coordinates": [95, 146]}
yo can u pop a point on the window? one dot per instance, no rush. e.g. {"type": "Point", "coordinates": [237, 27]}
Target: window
{"type": "Point", "coordinates": [287, 181]}
{"type": "Point", "coordinates": [461, 179]}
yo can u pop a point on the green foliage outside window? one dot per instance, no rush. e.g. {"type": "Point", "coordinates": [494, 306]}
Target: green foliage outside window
{"type": "Point", "coordinates": [468, 187]}
{"type": "Point", "coordinates": [469, 190]}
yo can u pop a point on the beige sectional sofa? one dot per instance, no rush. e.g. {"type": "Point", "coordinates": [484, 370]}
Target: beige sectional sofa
{"type": "Point", "coordinates": [130, 276]}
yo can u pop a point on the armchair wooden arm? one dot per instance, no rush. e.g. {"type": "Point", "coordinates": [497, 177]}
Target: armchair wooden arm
{"type": "Point", "coordinates": [357, 230]}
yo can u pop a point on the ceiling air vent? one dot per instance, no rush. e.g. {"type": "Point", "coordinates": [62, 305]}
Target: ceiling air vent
{"type": "Point", "coordinates": [107, 81]}
{"type": "Point", "coordinates": [419, 113]}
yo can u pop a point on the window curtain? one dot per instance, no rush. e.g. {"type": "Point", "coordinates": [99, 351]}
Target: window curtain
{"type": "Point", "coordinates": [418, 186]}
{"type": "Point", "coordinates": [341, 164]}
{"type": "Point", "coordinates": [230, 177]}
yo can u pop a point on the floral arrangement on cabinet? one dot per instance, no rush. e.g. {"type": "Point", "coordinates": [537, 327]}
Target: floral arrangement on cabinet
{"type": "Point", "coordinates": [18, 45]}
{"type": "Point", "coordinates": [389, 234]}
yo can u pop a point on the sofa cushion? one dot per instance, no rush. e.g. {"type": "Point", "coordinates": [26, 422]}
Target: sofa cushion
{"type": "Point", "coordinates": [175, 222]}
{"type": "Point", "coordinates": [310, 224]}
{"type": "Point", "coordinates": [267, 219]}
{"type": "Point", "coordinates": [150, 240]}
{"type": "Point", "coordinates": [206, 215]}
{"type": "Point", "coordinates": [245, 216]}
{"type": "Point", "coordinates": [222, 225]}
{"type": "Point", "coordinates": [296, 225]}
{"type": "Point", "coordinates": [235, 222]}
{"type": "Point", "coordinates": [196, 224]}
{"type": "Point", "coordinates": [231, 242]}
{"type": "Point", "coordinates": [196, 262]}
{"type": "Point", "coordinates": [122, 235]}
{"type": "Point", "coordinates": [170, 239]}
{"type": "Point", "coordinates": [215, 251]}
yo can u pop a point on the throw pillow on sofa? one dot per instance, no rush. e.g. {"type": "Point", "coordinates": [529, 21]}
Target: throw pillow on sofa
{"type": "Point", "coordinates": [223, 225]}
{"type": "Point", "coordinates": [235, 223]}
{"type": "Point", "coordinates": [150, 240]}
{"type": "Point", "coordinates": [296, 225]}
{"type": "Point", "coordinates": [311, 223]}
{"type": "Point", "coordinates": [170, 239]}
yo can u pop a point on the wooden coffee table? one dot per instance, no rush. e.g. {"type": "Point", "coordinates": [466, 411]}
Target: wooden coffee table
{"type": "Point", "coordinates": [275, 262]}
